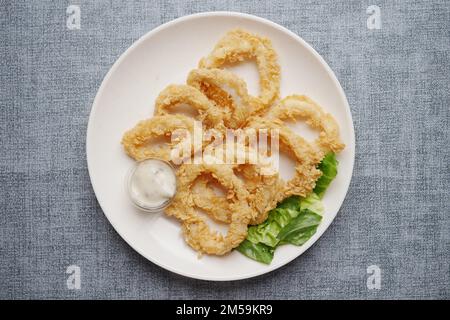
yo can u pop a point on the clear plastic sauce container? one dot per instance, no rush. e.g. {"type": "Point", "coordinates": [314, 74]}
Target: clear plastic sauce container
{"type": "Point", "coordinates": [152, 184]}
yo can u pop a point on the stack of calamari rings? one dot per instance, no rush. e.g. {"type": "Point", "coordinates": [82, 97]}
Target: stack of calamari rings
{"type": "Point", "coordinates": [221, 100]}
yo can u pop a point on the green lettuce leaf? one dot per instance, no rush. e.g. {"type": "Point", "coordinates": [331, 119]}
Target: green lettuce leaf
{"type": "Point", "coordinates": [292, 203]}
{"type": "Point", "coordinates": [301, 228]}
{"type": "Point", "coordinates": [293, 221]}
{"type": "Point", "coordinates": [267, 231]}
{"type": "Point", "coordinates": [312, 203]}
{"type": "Point", "coordinates": [278, 218]}
{"type": "Point", "coordinates": [259, 252]}
{"type": "Point", "coordinates": [328, 166]}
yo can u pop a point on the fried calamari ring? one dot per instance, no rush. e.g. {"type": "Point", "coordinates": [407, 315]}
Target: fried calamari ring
{"type": "Point", "coordinates": [137, 141]}
{"type": "Point", "coordinates": [174, 95]}
{"type": "Point", "coordinates": [217, 207]}
{"type": "Point", "coordinates": [238, 45]}
{"type": "Point", "coordinates": [306, 172]}
{"type": "Point", "coordinates": [296, 106]}
{"type": "Point", "coordinates": [196, 231]}
{"type": "Point", "coordinates": [227, 91]}
{"type": "Point", "coordinates": [264, 191]}
{"type": "Point", "coordinates": [264, 194]}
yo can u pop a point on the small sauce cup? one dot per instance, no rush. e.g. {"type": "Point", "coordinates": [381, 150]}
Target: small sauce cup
{"type": "Point", "coordinates": [139, 204]}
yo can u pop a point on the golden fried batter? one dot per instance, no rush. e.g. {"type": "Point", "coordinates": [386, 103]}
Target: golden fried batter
{"type": "Point", "coordinates": [174, 95]}
{"type": "Point", "coordinates": [196, 231]}
{"type": "Point", "coordinates": [238, 45]}
{"type": "Point", "coordinates": [296, 106]}
{"type": "Point", "coordinates": [228, 92]}
{"type": "Point", "coordinates": [137, 141]}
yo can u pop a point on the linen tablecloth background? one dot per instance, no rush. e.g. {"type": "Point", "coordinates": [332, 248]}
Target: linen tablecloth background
{"type": "Point", "coordinates": [396, 214]}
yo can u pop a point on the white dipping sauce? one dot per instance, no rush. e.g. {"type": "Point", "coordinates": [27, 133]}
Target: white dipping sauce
{"type": "Point", "coordinates": [152, 184]}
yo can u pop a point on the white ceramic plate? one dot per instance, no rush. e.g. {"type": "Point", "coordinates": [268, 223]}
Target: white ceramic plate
{"type": "Point", "coordinates": [163, 56]}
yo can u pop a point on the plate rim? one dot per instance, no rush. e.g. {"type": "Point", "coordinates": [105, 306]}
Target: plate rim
{"type": "Point", "coordinates": [235, 14]}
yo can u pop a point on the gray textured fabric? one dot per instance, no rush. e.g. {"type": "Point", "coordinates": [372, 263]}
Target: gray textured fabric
{"type": "Point", "coordinates": [396, 214]}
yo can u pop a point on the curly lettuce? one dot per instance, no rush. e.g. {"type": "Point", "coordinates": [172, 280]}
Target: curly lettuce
{"type": "Point", "coordinates": [328, 166]}
{"type": "Point", "coordinates": [277, 219]}
{"type": "Point", "coordinates": [256, 251]}
{"type": "Point", "coordinates": [301, 228]}
{"type": "Point", "coordinates": [294, 221]}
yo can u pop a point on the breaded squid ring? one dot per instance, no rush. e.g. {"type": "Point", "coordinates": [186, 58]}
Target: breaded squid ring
{"type": "Point", "coordinates": [264, 187]}
{"type": "Point", "coordinates": [264, 195]}
{"type": "Point", "coordinates": [238, 45]}
{"type": "Point", "coordinates": [265, 191]}
{"type": "Point", "coordinates": [196, 231]}
{"type": "Point", "coordinates": [174, 95]}
{"type": "Point", "coordinates": [136, 140]}
{"type": "Point", "coordinates": [227, 91]}
{"type": "Point", "coordinates": [306, 172]}
{"type": "Point", "coordinates": [296, 106]}
{"type": "Point", "coordinates": [217, 207]}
